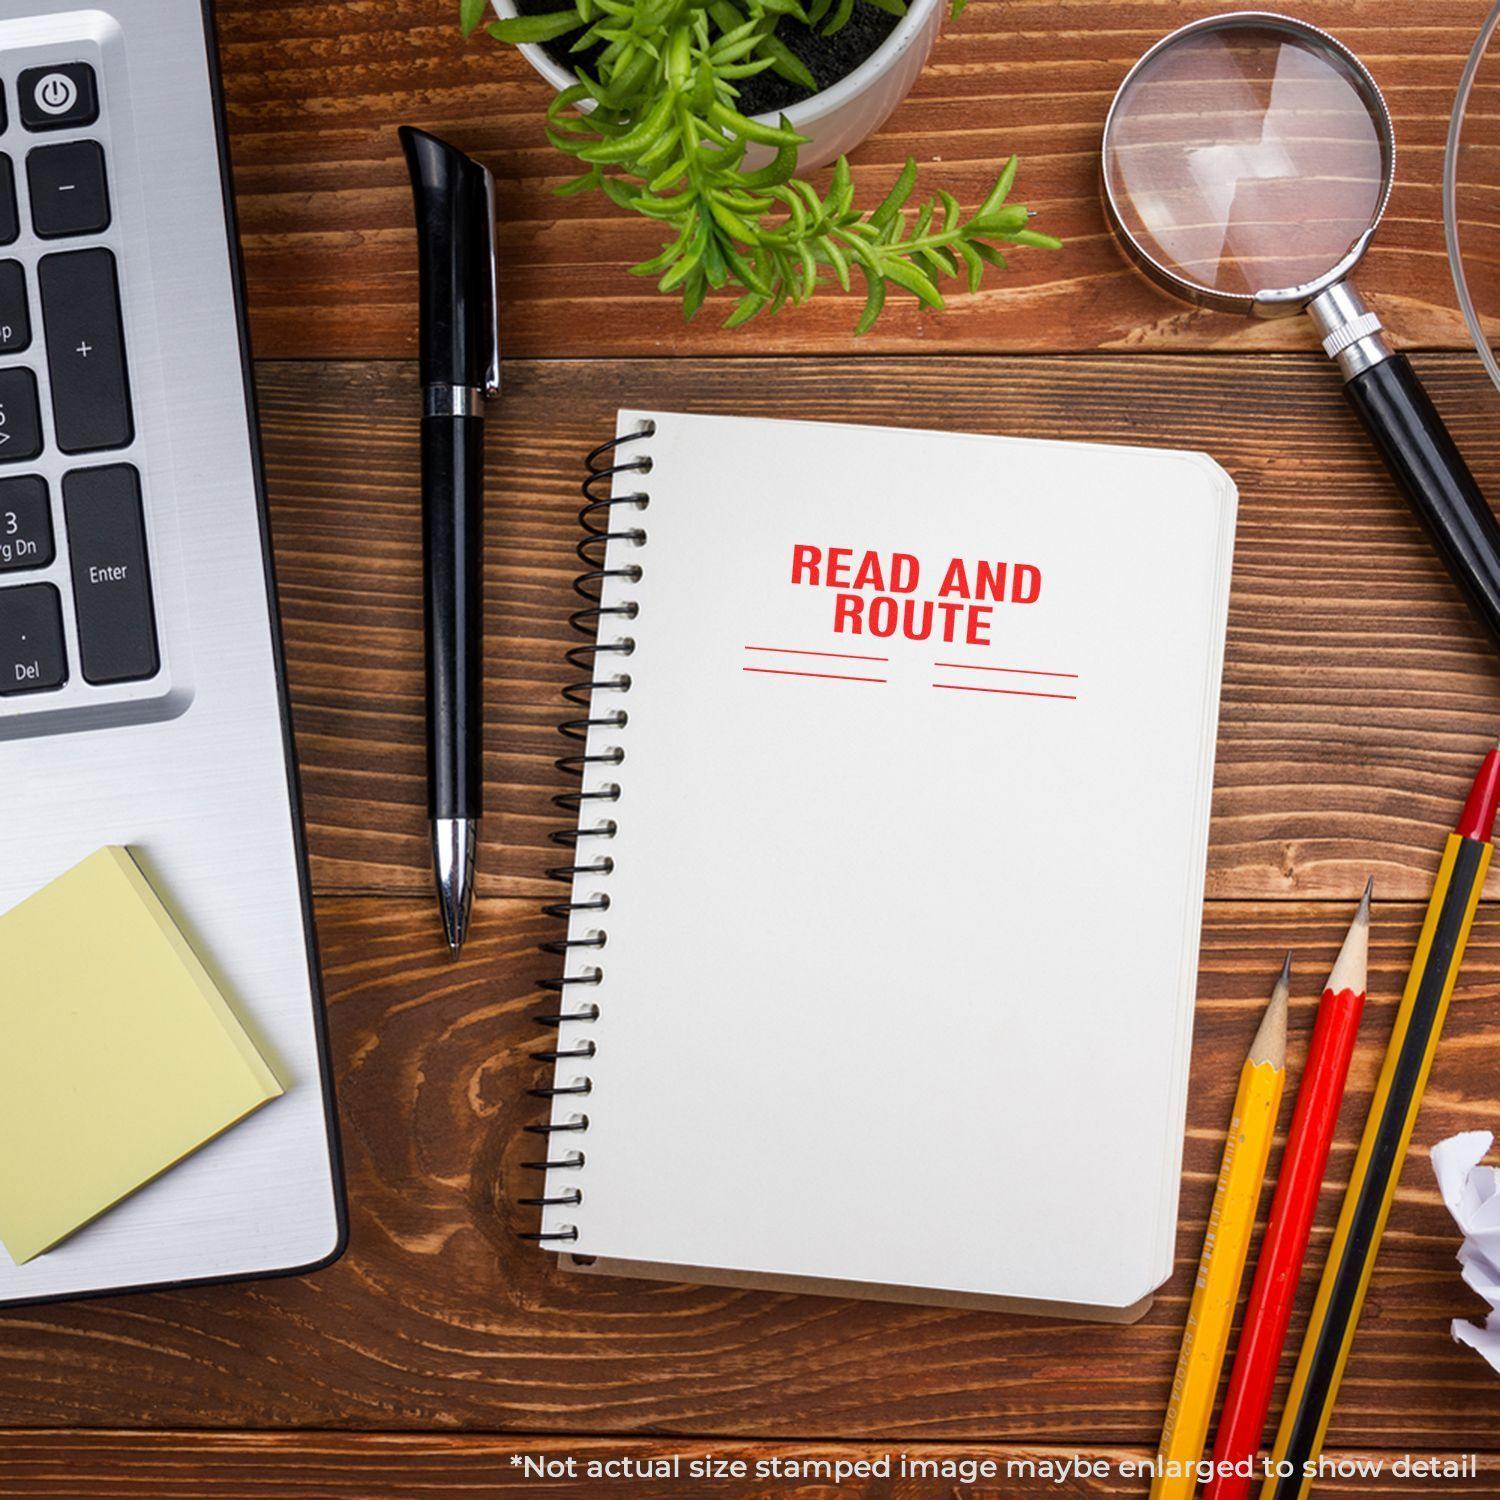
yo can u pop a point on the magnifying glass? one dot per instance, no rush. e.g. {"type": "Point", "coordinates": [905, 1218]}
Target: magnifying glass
{"type": "Point", "coordinates": [1247, 161]}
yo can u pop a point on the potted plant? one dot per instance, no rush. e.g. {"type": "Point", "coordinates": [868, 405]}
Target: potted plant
{"type": "Point", "coordinates": [695, 113]}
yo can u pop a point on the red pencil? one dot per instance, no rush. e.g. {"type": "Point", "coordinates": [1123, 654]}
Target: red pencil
{"type": "Point", "coordinates": [1279, 1268]}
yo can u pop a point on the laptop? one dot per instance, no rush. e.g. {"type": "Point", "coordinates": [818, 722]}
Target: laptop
{"type": "Point", "coordinates": [142, 690]}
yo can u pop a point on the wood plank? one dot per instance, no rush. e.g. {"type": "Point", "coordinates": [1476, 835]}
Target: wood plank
{"type": "Point", "coordinates": [398, 1466]}
{"type": "Point", "coordinates": [1357, 698]}
{"type": "Point", "coordinates": [315, 93]}
{"type": "Point", "coordinates": [439, 1317]}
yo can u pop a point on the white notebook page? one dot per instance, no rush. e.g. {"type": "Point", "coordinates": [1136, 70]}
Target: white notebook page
{"type": "Point", "coordinates": [899, 977]}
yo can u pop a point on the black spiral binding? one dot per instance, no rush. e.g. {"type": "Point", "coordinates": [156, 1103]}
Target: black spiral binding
{"type": "Point", "coordinates": [596, 518]}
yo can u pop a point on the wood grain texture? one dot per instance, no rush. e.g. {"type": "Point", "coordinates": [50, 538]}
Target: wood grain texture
{"type": "Point", "coordinates": [438, 1318]}
{"type": "Point", "coordinates": [1358, 695]}
{"type": "Point", "coordinates": [390, 1466]}
{"type": "Point", "coordinates": [316, 90]}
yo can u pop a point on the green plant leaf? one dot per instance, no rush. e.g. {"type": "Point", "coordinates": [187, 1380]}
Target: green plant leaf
{"type": "Point", "coordinates": [577, 185]}
{"type": "Point", "coordinates": [732, 224]}
{"type": "Point", "coordinates": [714, 266]}
{"type": "Point", "coordinates": [746, 270]}
{"type": "Point", "coordinates": [940, 260]}
{"type": "Point", "coordinates": [679, 272]}
{"type": "Point", "coordinates": [906, 275]}
{"type": "Point", "coordinates": [470, 14]}
{"type": "Point", "coordinates": [1010, 219]}
{"type": "Point", "coordinates": [636, 140]}
{"type": "Point", "coordinates": [776, 171]}
{"type": "Point", "coordinates": [1037, 241]}
{"type": "Point", "coordinates": [873, 304]}
{"type": "Point", "coordinates": [786, 62]}
{"type": "Point", "coordinates": [895, 200]}
{"type": "Point", "coordinates": [541, 28]}
{"type": "Point", "coordinates": [809, 270]}
{"type": "Point", "coordinates": [668, 255]}
{"type": "Point", "coordinates": [840, 190]}
{"type": "Point", "coordinates": [1001, 190]}
{"type": "Point", "coordinates": [841, 15]}
{"type": "Point", "coordinates": [745, 70]}
{"type": "Point", "coordinates": [970, 257]}
{"type": "Point", "coordinates": [752, 130]}
{"type": "Point", "coordinates": [669, 176]}
{"type": "Point", "coordinates": [838, 262]}
{"type": "Point", "coordinates": [617, 190]}
{"type": "Point", "coordinates": [745, 309]}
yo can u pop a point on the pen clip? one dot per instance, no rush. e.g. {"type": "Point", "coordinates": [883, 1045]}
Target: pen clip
{"type": "Point", "coordinates": [492, 374]}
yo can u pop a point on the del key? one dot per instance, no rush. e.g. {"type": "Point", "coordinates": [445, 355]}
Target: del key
{"type": "Point", "coordinates": [86, 351]}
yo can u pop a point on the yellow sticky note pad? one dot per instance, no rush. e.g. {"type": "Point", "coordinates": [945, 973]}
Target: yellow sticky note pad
{"type": "Point", "coordinates": [118, 1054]}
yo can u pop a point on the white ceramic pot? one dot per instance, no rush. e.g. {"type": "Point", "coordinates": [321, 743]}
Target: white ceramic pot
{"type": "Point", "coordinates": [838, 119]}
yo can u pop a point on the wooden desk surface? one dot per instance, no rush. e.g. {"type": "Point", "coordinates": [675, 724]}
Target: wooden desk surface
{"type": "Point", "coordinates": [1357, 699]}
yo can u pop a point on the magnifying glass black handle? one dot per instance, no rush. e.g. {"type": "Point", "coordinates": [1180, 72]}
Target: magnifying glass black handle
{"type": "Point", "coordinates": [1426, 463]}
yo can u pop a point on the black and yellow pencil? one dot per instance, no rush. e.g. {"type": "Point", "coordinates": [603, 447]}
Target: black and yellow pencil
{"type": "Point", "coordinates": [1382, 1149]}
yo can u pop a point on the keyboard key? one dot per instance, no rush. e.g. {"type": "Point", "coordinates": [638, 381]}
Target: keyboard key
{"type": "Point", "coordinates": [20, 417]}
{"type": "Point", "coordinates": [10, 215]}
{"type": "Point", "coordinates": [32, 655]}
{"type": "Point", "coordinates": [25, 524]}
{"type": "Point", "coordinates": [69, 194]}
{"type": "Point", "coordinates": [111, 575]}
{"type": "Point", "coordinates": [58, 96]}
{"type": "Point", "coordinates": [15, 311]}
{"type": "Point", "coordinates": [86, 351]}
{"type": "Point", "coordinates": [4, 113]}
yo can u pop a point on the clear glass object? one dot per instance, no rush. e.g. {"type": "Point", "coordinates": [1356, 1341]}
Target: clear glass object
{"type": "Point", "coordinates": [1471, 194]}
{"type": "Point", "coordinates": [1247, 156]}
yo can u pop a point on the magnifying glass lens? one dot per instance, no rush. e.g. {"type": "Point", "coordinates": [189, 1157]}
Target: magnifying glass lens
{"type": "Point", "coordinates": [1246, 159]}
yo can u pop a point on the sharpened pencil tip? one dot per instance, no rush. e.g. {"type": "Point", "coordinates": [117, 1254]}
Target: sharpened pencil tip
{"type": "Point", "coordinates": [1351, 967]}
{"type": "Point", "coordinates": [1269, 1045]}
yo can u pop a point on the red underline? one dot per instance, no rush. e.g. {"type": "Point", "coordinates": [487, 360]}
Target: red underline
{"type": "Point", "coordinates": [963, 666]}
{"type": "Point", "coordinates": [792, 651]}
{"type": "Point", "coordinates": [963, 687]}
{"type": "Point", "coordinates": [831, 676]}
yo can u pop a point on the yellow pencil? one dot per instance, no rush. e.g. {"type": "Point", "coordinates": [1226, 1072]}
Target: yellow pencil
{"type": "Point", "coordinates": [1225, 1248]}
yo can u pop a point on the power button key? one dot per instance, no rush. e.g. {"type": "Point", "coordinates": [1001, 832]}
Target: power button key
{"type": "Point", "coordinates": [58, 97]}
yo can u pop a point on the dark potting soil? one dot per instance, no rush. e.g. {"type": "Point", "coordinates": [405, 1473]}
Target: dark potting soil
{"type": "Point", "coordinates": [827, 58]}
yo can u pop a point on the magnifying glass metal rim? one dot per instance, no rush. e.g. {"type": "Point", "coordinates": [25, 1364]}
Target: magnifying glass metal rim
{"type": "Point", "coordinates": [1271, 302]}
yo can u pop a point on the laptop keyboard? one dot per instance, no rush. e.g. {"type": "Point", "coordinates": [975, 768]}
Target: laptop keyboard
{"type": "Point", "coordinates": [76, 600]}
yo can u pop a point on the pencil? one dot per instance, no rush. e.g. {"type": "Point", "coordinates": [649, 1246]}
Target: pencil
{"type": "Point", "coordinates": [1377, 1167]}
{"type": "Point", "coordinates": [1225, 1247]}
{"type": "Point", "coordinates": [1279, 1268]}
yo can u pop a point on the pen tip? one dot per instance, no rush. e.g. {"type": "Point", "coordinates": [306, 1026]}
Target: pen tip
{"type": "Point", "coordinates": [454, 844]}
{"type": "Point", "coordinates": [456, 927]}
{"type": "Point", "coordinates": [1286, 970]}
{"type": "Point", "coordinates": [1363, 914]}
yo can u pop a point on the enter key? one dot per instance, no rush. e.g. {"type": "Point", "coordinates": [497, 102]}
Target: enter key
{"type": "Point", "coordinates": [111, 574]}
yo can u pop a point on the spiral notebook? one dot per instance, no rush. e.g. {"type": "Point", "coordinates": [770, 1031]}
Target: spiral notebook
{"type": "Point", "coordinates": [888, 871]}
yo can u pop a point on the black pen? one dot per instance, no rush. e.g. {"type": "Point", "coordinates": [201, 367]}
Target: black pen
{"type": "Point", "coordinates": [460, 358]}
